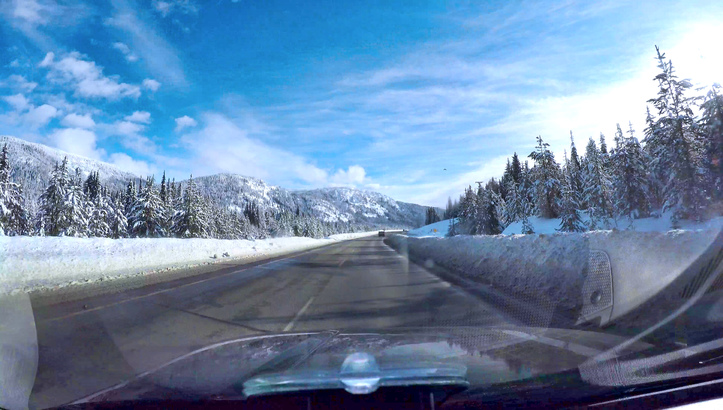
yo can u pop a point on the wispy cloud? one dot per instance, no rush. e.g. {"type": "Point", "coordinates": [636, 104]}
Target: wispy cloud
{"type": "Point", "coordinates": [86, 78]}
{"type": "Point", "coordinates": [155, 52]}
{"type": "Point", "coordinates": [126, 51]}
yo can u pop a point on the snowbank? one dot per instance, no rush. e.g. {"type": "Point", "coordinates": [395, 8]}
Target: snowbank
{"type": "Point", "coordinates": [550, 269]}
{"type": "Point", "coordinates": [437, 229]}
{"type": "Point", "coordinates": [662, 224]}
{"type": "Point", "coordinates": [28, 263]}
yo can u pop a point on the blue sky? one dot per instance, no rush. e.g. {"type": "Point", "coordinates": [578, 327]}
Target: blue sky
{"type": "Point", "coordinates": [414, 99]}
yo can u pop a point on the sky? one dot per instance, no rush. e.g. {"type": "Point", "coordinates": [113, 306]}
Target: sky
{"type": "Point", "coordinates": [413, 99]}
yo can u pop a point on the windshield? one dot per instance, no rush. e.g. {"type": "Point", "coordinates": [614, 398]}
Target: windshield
{"type": "Point", "coordinates": [239, 199]}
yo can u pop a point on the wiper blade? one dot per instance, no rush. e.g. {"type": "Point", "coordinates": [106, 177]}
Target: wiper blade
{"type": "Point", "coordinates": [359, 374]}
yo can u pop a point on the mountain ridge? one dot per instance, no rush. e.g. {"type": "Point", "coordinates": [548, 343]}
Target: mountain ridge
{"type": "Point", "coordinates": [33, 162]}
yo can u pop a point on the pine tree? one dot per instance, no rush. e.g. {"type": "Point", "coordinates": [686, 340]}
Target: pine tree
{"type": "Point", "coordinates": [116, 219]}
{"type": "Point", "coordinates": [570, 219]}
{"type": "Point", "coordinates": [712, 128]}
{"type": "Point", "coordinates": [99, 216]}
{"type": "Point", "coordinates": [52, 216]}
{"type": "Point", "coordinates": [546, 175]}
{"type": "Point", "coordinates": [76, 208]}
{"type": "Point", "coordinates": [13, 217]}
{"type": "Point", "coordinates": [164, 192]}
{"type": "Point", "coordinates": [629, 180]}
{"type": "Point", "coordinates": [146, 217]}
{"type": "Point", "coordinates": [656, 175]}
{"type": "Point", "coordinates": [675, 147]}
{"type": "Point", "coordinates": [575, 171]}
{"type": "Point", "coordinates": [516, 168]}
{"type": "Point", "coordinates": [597, 189]}
{"type": "Point", "coordinates": [129, 199]}
{"type": "Point", "coordinates": [192, 220]}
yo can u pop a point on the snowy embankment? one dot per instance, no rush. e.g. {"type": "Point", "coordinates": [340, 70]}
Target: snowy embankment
{"type": "Point", "coordinates": [550, 269]}
{"type": "Point", "coordinates": [31, 263]}
{"type": "Point", "coordinates": [437, 229]}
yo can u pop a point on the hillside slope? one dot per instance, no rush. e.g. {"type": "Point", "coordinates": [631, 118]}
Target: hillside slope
{"type": "Point", "coordinates": [32, 164]}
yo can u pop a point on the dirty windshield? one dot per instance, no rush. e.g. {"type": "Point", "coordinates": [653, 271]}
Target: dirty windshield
{"type": "Point", "coordinates": [236, 199]}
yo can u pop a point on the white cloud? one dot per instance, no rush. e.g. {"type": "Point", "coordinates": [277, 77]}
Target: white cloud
{"type": "Point", "coordinates": [151, 84]}
{"type": "Point", "coordinates": [86, 78]}
{"type": "Point", "coordinates": [355, 175]}
{"type": "Point", "coordinates": [78, 121]}
{"type": "Point", "coordinates": [126, 51]}
{"type": "Point", "coordinates": [77, 141]}
{"type": "Point", "coordinates": [126, 163]}
{"type": "Point", "coordinates": [27, 114]}
{"type": "Point", "coordinates": [155, 52]}
{"type": "Point", "coordinates": [166, 7]}
{"type": "Point", "coordinates": [38, 117]}
{"type": "Point", "coordinates": [130, 136]}
{"type": "Point", "coordinates": [20, 83]}
{"type": "Point", "coordinates": [223, 146]}
{"type": "Point", "coordinates": [143, 117]}
{"type": "Point", "coordinates": [18, 101]}
{"type": "Point", "coordinates": [184, 122]}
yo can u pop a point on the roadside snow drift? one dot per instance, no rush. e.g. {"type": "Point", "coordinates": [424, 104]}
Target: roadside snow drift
{"type": "Point", "coordinates": [550, 269]}
{"type": "Point", "coordinates": [29, 263]}
{"type": "Point", "coordinates": [437, 229]}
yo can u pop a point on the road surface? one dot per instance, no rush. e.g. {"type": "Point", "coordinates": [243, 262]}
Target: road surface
{"type": "Point", "coordinates": [92, 344]}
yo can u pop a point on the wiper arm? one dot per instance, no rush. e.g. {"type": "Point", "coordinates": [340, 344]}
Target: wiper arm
{"type": "Point", "coordinates": [359, 374]}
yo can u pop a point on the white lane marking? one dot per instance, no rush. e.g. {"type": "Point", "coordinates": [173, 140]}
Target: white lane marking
{"type": "Point", "coordinates": [298, 315]}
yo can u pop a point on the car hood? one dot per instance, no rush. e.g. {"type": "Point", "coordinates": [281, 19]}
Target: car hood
{"type": "Point", "coordinates": [360, 362]}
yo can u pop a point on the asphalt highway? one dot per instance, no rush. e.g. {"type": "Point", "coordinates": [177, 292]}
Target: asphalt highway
{"type": "Point", "coordinates": [90, 344]}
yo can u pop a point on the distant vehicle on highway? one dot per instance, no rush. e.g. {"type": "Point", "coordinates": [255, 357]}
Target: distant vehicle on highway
{"type": "Point", "coordinates": [381, 233]}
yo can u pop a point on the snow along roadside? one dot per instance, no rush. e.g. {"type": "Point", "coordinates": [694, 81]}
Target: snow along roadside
{"type": "Point", "coordinates": [36, 263]}
{"type": "Point", "coordinates": [550, 269]}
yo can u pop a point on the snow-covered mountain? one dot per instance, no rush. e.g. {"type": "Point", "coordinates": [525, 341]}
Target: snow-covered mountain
{"type": "Point", "coordinates": [32, 164]}
{"type": "Point", "coordinates": [328, 204]}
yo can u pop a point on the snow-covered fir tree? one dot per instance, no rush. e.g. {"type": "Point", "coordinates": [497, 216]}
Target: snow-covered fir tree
{"type": "Point", "coordinates": [13, 216]}
{"type": "Point", "coordinates": [116, 219]}
{"type": "Point", "coordinates": [146, 216]}
{"type": "Point", "coordinates": [52, 216]}
{"type": "Point", "coordinates": [597, 189]}
{"type": "Point", "coordinates": [575, 170]}
{"type": "Point", "coordinates": [675, 145]}
{"type": "Point", "coordinates": [712, 129]}
{"type": "Point", "coordinates": [192, 220]}
{"type": "Point", "coordinates": [570, 217]}
{"type": "Point", "coordinates": [546, 179]}
{"type": "Point", "coordinates": [629, 180]}
{"type": "Point", "coordinates": [99, 216]}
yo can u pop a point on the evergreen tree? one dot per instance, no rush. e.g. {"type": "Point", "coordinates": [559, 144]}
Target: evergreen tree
{"type": "Point", "coordinates": [516, 168]}
{"type": "Point", "coordinates": [629, 180]}
{"type": "Point", "coordinates": [146, 217]}
{"type": "Point", "coordinates": [656, 175]}
{"type": "Point", "coordinates": [76, 209]}
{"type": "Point", "coordinates": [13, 217]}
{"type": "Point", "coordinates": [597, 189]}
{"type": "Point", "coordinates": [575, 171]}
{"type": "Point", "coordinates": [129, 199]}
{"type": "Point", "coordinates": [570, 219]}
{"type": "Point", "coordinates": [712, 128]}
{"type": "Point", "coordinates": [164, 193]}
{"type": "Point", "coordinates": [116, 219]}
{"type": "Point", "coordinates": [675, 146]}
{"type": "Point", "coordinates": [192, 220]}
{"type": "Point", "coordinates": [99, 216]}
{"type": "Point", "coordinates": [52, 216]}
{"type": "Point", "coordinates": [546, 175]}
